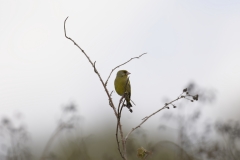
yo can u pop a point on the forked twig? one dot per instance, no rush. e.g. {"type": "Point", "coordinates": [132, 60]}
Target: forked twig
{"type": "Point", "coordinates": [147, 117]}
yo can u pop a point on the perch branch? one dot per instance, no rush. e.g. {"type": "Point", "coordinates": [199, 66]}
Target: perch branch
{"type": "Point", "coordinates": [104, 86]}
{"type": "Point", "coordinates": [119, 126]}
{"type": "Point", "coordinates": [120, 107]}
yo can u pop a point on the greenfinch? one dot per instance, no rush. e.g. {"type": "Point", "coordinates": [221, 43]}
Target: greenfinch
{"type": "Point", "coordinates": [122, 85]}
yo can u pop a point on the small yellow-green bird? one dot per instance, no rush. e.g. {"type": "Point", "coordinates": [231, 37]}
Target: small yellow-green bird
{"type": "Point", "coordinates": [122, 85]}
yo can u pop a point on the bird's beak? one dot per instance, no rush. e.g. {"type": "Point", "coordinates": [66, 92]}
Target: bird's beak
{"type": "Point", "coordinates": [128, 73]}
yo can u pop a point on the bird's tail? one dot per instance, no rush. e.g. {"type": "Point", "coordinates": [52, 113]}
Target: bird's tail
{"type": "Point", "coordinates": [129, 105]}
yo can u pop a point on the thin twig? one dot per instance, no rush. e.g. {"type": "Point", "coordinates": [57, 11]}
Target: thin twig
{"type": "Point", "coordinates": [76, 43]}
{"type": "Point", "coordinates": [122, 65]}
{"type": "Point", "coordinates": [122, 108]}
{"type": "Point", "coordinates": [111, 93]}
{"type": "Point", "coordinates": [132, 102]}
{"type": "Point", "coordinates": [121, 132]}
{"type": "Point", "coordinates": [119, 126]}
{"type": "Point", "coordinates": [93, 65]}
{"type": "Point", "coordinates": [120, 102]}
{"type": "Point", "coordinates": [110, 98]}
{"type": "Point", "coordinates": [147, 117]}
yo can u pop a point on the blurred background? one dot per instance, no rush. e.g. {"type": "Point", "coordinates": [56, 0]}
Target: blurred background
{"type": "Point", "coordinates": [53, 106]}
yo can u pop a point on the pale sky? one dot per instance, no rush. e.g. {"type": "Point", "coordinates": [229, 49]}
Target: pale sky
{"type": "Point", "coordinates": [186, 40]}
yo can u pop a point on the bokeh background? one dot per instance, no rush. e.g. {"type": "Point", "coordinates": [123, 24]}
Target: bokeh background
{"type": "Point", "coordinates": [45, 81]}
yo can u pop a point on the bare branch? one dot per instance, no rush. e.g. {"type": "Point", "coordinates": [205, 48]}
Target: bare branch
{"type": "Point", "coordinates": [120, 107]}
{"type": "Point", "coordinates": [104, 86]}
{"type": "Point", "coordinates": [133, 102]}
{"type": "Point", "coordinates": [94, 67]}
{"type": "Point", "coordinates": [76, 43]}
{"type": "Point", "coordinates": [110, 101]}
{"type": "Point", "coordinates": [111, 93]}
{"type": "Point", "coordinates": [122, 65]}
{"type": "Point", "coordinates": [147, 117]}
{"type": "Point", "coordinates": [119, 126]}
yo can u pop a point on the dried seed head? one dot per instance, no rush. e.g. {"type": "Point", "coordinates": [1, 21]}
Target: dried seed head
{"type": "Point", "coordinates": [195, 97]}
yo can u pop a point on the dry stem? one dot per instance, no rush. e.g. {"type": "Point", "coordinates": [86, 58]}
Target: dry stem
{"type": "Point", "coordinates": [147, 117]}
{"type": "Point", "coordinates": [104, 86]}
{"type": "Point", "coordinates": [94, 67]}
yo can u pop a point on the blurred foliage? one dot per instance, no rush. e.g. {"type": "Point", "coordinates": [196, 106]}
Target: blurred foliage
{"type": "Point", "coordinates": [211, 141]}
{"type": "Point", "coordinates": [13, 140]}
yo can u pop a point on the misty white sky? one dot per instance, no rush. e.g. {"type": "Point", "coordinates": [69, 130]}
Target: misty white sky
{"type": "Point", "coordinates": [41, 71]}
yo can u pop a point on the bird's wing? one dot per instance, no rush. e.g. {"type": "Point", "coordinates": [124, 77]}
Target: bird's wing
{"type": "Point", "coordinates": [129, 89]}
